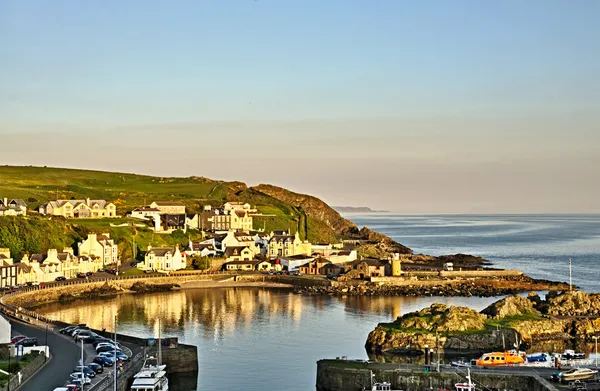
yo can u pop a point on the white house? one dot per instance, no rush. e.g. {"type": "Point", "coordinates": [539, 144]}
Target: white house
{"type": "Point", "coordinates": [202, 249]}
{"type": "Point", "coordinates": [163, 259]}
{"type": "Point", "coordinates": [169, 207]}
{"type": "Point", "coordinates": [293, 262]}
{"type": "Point", "coordinates": [101, 246]}
{"type": "Point", "coordinates": [12, 207]}
{"type": "Point", "coordinates": [239, 239]}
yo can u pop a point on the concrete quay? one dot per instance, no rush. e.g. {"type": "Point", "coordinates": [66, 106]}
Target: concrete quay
{"type": "Point", "coordinates": [353, 375]}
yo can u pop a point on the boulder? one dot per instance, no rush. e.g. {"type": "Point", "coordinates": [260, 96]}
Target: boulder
{"type": "Point", "coordinates": [574, 303]}
{"type": "Point", "coordinates": [510, 306]}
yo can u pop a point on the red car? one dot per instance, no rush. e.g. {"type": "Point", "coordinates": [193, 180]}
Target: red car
{"type": "Point", "coordinates": [17, 338]}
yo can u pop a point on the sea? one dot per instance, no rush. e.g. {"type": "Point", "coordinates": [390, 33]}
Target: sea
{"type": "Point", "coordinates": [257, 339]}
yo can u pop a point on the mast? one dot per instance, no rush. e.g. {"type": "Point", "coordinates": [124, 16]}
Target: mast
{"type": "Point", "coordinates": [116, 364]}
{"type": "Point", "coordinates": [159, 342]}
{"type": "Point", "coordinates": [570, 276]}
{"type": "Point", "coordinates": [82, 365]}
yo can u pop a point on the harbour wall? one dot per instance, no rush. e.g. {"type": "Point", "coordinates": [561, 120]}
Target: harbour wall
{"type": "Point", "coordinates": [338, 375]}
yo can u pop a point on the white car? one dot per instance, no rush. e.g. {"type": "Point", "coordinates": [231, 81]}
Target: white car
{"type": "Point", "coordinates": [80, 376]}
{"type": "Point", "coordinates": [109, 344]}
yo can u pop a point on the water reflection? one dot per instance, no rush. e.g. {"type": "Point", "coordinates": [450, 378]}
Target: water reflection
{"type": "Point", "coordinates": [246, 328]}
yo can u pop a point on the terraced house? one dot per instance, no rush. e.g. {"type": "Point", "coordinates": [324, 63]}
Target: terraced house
{"type": "Point", "coordinates": [79, 208]}
{"type": "Point", "coordinates": [285, 245]}
{"type": "Point", "coordinates": [12, 207]}
{"type": "Point", "coordinates": [99, 246]}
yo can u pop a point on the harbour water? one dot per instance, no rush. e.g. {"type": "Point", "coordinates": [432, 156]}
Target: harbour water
{"type": "Point", "coordinates": [270, 339]}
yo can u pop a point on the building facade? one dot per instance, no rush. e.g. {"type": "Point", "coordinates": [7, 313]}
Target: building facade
{"type": "Point", "coordinates": [12, 207]}
{"type": "Point", "coordinates": [100, 246]}
{"type": "Point", "coordinates": [288, 245]}
{"type": "Point", "coordinates": [163, 259]}
{"type": "Point", "coordinates": [8, 270]}
{"type": "Point", "coordinates": [169, 207]}
{"type": "Point", "coordinates": [87, 208]}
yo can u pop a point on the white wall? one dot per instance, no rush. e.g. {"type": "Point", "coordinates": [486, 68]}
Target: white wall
{"type": "Point", "coordinates": [4, 330]}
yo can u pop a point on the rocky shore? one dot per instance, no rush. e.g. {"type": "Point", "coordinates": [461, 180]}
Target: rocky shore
{"type": "Point", "coordinates": [561, 321]}
{"type": "Point", "coordinates": [466, 288]}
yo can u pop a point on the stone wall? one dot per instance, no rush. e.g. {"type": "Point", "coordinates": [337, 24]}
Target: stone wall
{"type": "Point", "coordinates": [337, 375]}
{"type": "Point", "coordinates": [26, 373]}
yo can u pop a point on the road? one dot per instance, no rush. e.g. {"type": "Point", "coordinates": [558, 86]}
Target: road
{"type": "Point", "coordinates": [65, 356]}
{"type": "Point", "coordinates": [56, 372]}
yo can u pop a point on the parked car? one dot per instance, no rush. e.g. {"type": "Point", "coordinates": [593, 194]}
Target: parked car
{"type": "Point", "coordinates": [81, 275]}
{"type": "Point", "coordinates": [96, 367]}
{"type": "Point", "coordinates": [89, 372]}
{"type": "Point", "coordinates": [89, 273]}
{"type": "Point", "coordinates": [17, 338]}
{"type": "Point", "coordinates": [78, 330]}
{"type": "Point", "coordinates": [60, 278]}
{"type": "Point", "coordinates": [120, 355]}
{"type": "Point", "coordinates": [27, 342]}
{"type": "Point", "coordinates": [104, 361]}
{"type": "Point", "coordinates": [84, 334]}
{"type": "Point", "coordinates": [108, 343]}
{"type": "Point", "coordinates": [32, 283]}
{"type": "Point", "coordinates": [99, 339]}
{"type": "Point", "coordinates": [67, 330]}
{"type": "Point", "coordinates": [104, 349]}
{"type": "Point", "coordinates": [81, 377]}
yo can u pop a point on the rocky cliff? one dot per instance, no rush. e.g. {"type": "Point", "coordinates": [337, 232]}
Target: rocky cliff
{"type": "Point", "coordinates": [560, 321]}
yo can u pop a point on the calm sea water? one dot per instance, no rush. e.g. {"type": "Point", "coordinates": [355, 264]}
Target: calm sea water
{"type": "Point", "coordinates": [263, 339]}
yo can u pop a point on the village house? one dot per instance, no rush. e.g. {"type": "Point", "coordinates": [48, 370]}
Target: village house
{"type": "Point", "coordinates": [192, 221]}
{"type": "Point", "coordinates": [240, 239]}
{"type": "Point", "coordinates": [240, 220]}
{"type": "Point", "coordinates": [269, 266]}
{"type": "Point", "coordinates": [13, 207]}
{"type": "Point", "coordinates": [238, 253]}
{"type": "Point", "coordinates": [171, 222]}
{"type": "Point", "coordinates": [202, 249]}
{"type": "Point", "coordinates": [314, 267]}
{"type": "Point", "coordinates": [79, 208]}
{"type": "Point", "coordinates": [285, 245]}
{"type": "Point", "coordinates": [145, 213]}
{"type": "Point", "coordinates": [169, 207]}
{"type": "Point", "coordinates": [341, 257]}
{"type": "Point", "coordinates": [293, 262]}
{"type": "Point", "coordinates": [239, 206]}
{"type": "Point", "coordinates": [101, 247]}
{"type": "Point", "coordinates": [8, 270]}
{"type": "Point", "coordinates": [369, 267]}
{"type": "Point", "coordinates": [46, 267]}
{"type": "Point", "coordinates": [163, 259]}
{"type": "Point", "coordinates": [246, 265]}
{"type": "Point", "coordinates": [332, 269]}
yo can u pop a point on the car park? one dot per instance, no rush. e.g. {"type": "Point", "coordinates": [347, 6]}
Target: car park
{"type": "Point", "coordinates": [96, 367]}
{"type": "Point", "coordinates": [104, 361]}
{"type": "Point", "coordinates": [27, 342]}
{"type": "Point", "coordinates": [81, 377]}
{"type": "Point", "coordinates": [89, 372]}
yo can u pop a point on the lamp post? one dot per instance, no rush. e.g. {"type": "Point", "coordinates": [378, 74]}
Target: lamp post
{"type": "Point", "coordinates": [595, 338]}
{"type": "Point", "coordinates": [430, 356]}
{"type": "Point", "coordinates": [46, 350]}
{"type": "Point", "coordinates": [426, 354]}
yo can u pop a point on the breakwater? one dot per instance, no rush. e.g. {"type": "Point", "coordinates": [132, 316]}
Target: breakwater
{"type": "Point", "coordinates": [348, 375]}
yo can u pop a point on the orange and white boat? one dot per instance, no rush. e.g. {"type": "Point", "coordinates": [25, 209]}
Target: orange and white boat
{"type": "Point", "coordinates": [500, 358]}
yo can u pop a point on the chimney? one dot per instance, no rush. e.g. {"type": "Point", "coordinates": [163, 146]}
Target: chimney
{"type": "Point", "coordinates": [87, 201]}
{"type": "Point", "coordinates": [25, 259]}
{"type": "Point", "coordinates": [52, 253]}
{"type": "Point", "coordinates": [5, 202]}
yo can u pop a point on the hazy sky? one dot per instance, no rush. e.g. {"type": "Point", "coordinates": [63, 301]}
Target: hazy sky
{"type": "Point", "coordinates": [413, 106]}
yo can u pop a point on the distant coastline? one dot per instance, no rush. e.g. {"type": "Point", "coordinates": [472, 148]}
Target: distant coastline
{"type": "Point", "coordinates": [356, 209]}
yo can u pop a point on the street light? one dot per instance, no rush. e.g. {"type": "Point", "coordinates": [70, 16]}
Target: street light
{"type": "Point", "coordinates": [426, 354]}
{"type": "Point", "coordinates": [595, 338]}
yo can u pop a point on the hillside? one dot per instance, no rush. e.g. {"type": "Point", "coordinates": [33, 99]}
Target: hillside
{"type": "Point", "coordinates": [282, 209]}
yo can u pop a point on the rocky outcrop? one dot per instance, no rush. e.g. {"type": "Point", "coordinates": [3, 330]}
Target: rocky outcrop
{"type": "Point", "coordinates": [574, 303]}
{"type": "Point", "coordinates": [382, 243]}
{"type": "Point", "coordinates": [142, 287]}
{"type": "Point", "coordinates": [463, 260]}
{"type": "Point", "coordinates": [440, 317]}
{"type": "Point", "coordinates": [106, 290]}
{"type": "Point", "coordinates": [516, 319]}
{"type": "Point", "coordinates": [510, 306]}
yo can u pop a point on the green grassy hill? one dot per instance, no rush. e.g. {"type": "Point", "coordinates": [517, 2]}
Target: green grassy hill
{"type": "Point", "coordinates": [282, 209]}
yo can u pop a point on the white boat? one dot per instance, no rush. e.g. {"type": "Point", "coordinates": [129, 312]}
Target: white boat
{"type": "Point", "coordinates": [468, 386]}
{"type": "Point", "coordinates": [572, 355]}
{"type": "Point", "coordinates": [152, 377]}
{"type": "Point", "coordinates": [383, 386]}
{"type": "Point", "coordinates": [577, 374]}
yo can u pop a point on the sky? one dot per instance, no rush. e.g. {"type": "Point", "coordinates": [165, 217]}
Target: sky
{"type": "Point", "coordinates": [411, 106]}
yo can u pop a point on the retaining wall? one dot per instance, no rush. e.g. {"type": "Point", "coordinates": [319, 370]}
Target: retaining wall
{"type": "Point", "coordinates": [26, 373]}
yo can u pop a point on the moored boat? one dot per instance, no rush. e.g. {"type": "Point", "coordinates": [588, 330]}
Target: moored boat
{"type": "Point", "coordinates": [500, 358]}
{"type": "Point", "coordinates": [468, 385]}
{"type": "Point", "coordinates": [572, 355]}
{"type": "Point", "coordinates": [152, 377]}
{"type": "Point", "coordinates": [576, 374]}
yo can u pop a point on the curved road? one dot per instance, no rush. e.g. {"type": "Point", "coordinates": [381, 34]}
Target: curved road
{"type": "Point", "coordinates": [65, 354]}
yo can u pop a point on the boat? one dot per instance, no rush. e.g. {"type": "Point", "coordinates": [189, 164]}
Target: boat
{"type": "Point", "coordinates": [460, 363]}
{"type": "Point", "coordinates": [538, 357]}
{"type": "Point", "coordinates": [468, 386]}
{"type": "Point", "coordinates": [383, 386]}
{"type": "Point", "coordinates": [576, 374]}
{"type": "Point", "coordinates": [500, 358]}
{"type": "Point", "coordinates": [152, 376]}
{"type": "Point", "coordinates": [572, 355]}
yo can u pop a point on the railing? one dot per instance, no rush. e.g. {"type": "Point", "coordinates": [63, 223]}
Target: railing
{"type": "Point", "coordinates": [108, 380]}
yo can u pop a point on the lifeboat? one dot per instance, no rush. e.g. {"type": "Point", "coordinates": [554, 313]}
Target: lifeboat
{"type": "Point", "coordinates": [500, 358]}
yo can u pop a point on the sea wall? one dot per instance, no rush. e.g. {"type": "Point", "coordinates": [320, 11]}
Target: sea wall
{"type": "Point", "coordinates": [339, 375]}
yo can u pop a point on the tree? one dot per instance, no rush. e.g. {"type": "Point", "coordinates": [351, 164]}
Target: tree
{"type": "Point", "coordinates": [200, 263]}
